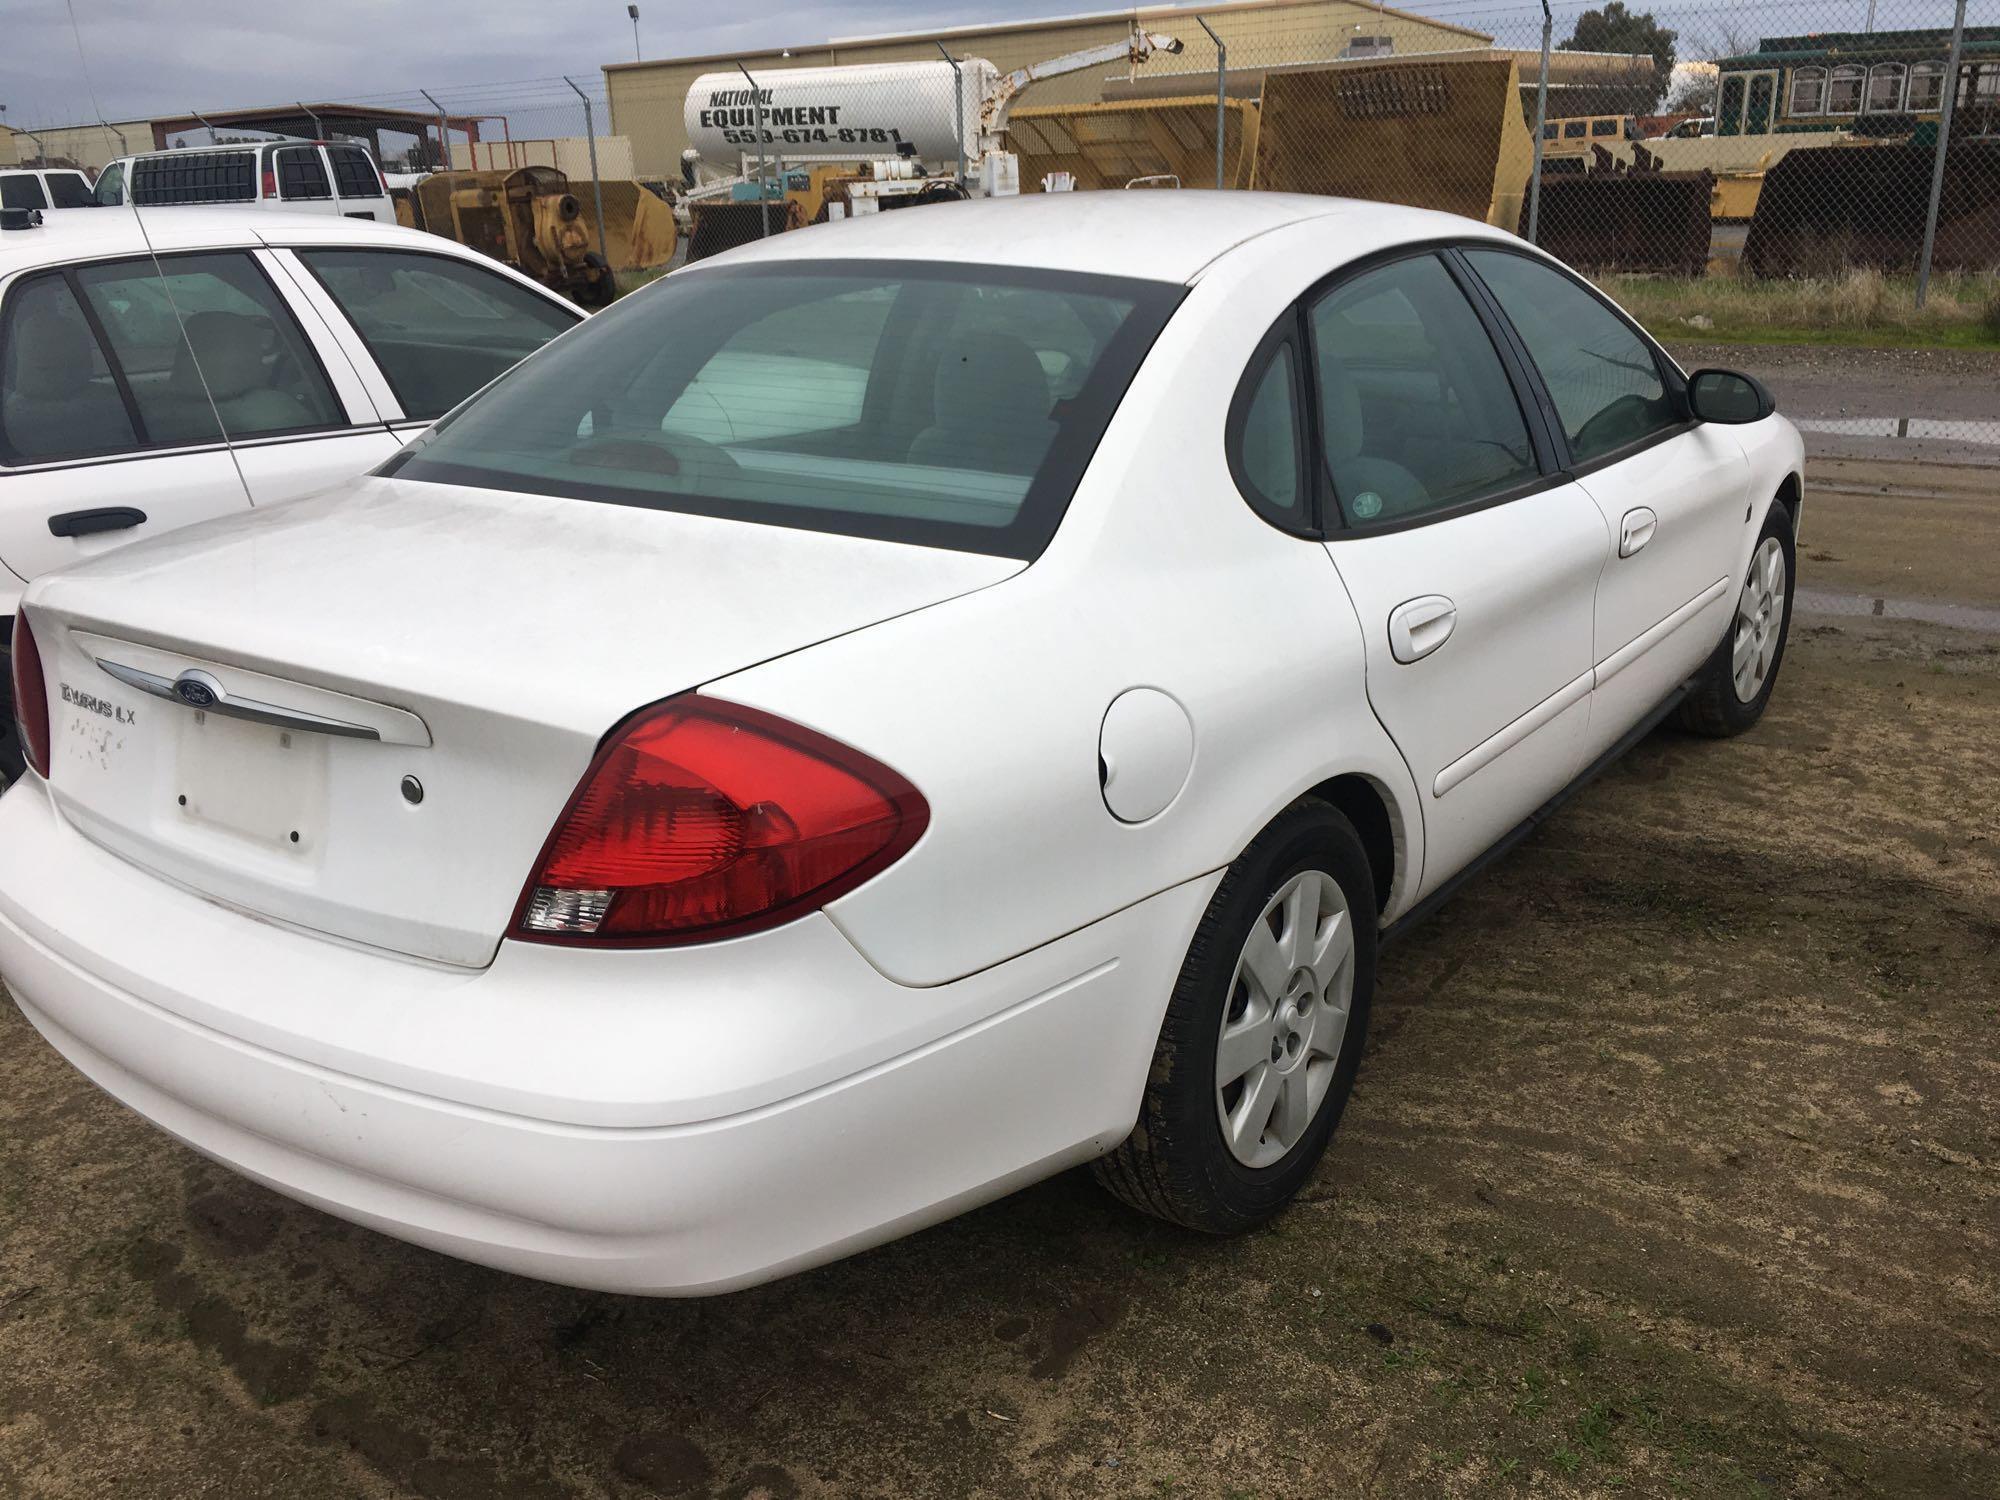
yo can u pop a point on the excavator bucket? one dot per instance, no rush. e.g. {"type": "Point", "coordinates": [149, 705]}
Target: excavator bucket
{"type": "Point", "coordinates": [1110, 145]}
{"type": "Point", "coordinates": [1432, 135]}
{"type": "Point", "coordinates": [541, 223]}
{"type": "Point", "coordinates": [640, 231]}
{"type": "Point", "coordinates": [1842, 206]}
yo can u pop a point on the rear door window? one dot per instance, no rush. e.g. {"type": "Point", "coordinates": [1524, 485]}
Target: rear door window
{"type": "Point", "coordinates": [69, 190]}
{"type": "Point", "coordinates": [301, 174]}
{"type": "Point", "coordinates": [354, 172]}
{"type": "Point", "coordinates": [243, 357]}
{"type": "Point", "coordinates": [1417, 412]}
{"type": "Point", "coordinates": [22, 190]}
{"type": "Point", "coordinates": [58, 396]}
{"type": "Point", "coordinates": [438, 327]}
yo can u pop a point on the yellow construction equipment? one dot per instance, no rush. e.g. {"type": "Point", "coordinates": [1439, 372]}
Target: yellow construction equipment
{"type": "Point", "coordinates": [1445, 135]}
{"type": "Point", "coordinates": [535, 220]}
{"type": "Point", "coordinates": [1111, 145]}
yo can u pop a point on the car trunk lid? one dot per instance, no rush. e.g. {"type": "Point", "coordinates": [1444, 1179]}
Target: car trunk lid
{"type": "Point", "coordinates": [361, 714]}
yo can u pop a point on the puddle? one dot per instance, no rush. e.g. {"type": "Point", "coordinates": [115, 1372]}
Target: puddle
{"type": "Point", "coordinates": [1921, 428]}
{"type": "Point", "coordinates": [1977, 617]}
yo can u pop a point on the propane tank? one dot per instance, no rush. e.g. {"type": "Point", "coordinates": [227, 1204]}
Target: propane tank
{"type": "Point", "coordinates": [860, 112]}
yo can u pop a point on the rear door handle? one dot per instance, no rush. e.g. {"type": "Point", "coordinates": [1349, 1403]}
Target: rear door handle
{"type": "Point", "coordinates": [1636, 530]}
{"type": "Point", "coordinates": [90, 522]}
{"type": "Point", "coordinates": [1419, 626]}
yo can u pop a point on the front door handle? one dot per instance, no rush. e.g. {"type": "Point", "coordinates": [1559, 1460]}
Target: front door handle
{"type": "Point", "coordinates": [1419, 626]}
{"type": "Point", "coordinates": [1636, 530]}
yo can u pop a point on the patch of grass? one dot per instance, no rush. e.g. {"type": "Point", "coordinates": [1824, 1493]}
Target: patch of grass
{"type": "Point", "coordinates": [630, 281]}
{"type": "Point", "coordinates": [1858, 306]}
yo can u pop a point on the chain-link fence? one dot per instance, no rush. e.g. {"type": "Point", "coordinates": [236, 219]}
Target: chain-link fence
{"type": "Point", "coordinates": [1788, 172]}
{"type": "Point", "coordinates": [1794, 171]}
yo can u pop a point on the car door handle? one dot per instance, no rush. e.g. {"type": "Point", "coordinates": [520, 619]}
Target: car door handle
{"type": "Point", "coordinates": [1636, 530]}
{"type": "Point", "coordinates": [1419, 626]}
{"type": "Point", "coordinates": [90, 522]}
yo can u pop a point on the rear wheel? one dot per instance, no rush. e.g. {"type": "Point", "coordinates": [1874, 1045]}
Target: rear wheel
{"type": "Point", "coordinates": [1736, 683]}
{"type": "Point", "coordinates": [1263, 1034]}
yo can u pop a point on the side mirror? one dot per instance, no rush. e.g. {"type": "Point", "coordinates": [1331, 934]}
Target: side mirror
{"type": "Point", "coordinates": [1726, 396]}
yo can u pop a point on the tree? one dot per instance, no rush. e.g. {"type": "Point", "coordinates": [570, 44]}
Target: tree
{"type": "Point", "coordinates": [1618, 29]}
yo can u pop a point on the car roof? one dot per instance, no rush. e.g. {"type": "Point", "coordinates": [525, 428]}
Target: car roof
{"type": "Point", "coordinates": [87, 235]}
{"type": "Point", "coordinates": [1154, 234]}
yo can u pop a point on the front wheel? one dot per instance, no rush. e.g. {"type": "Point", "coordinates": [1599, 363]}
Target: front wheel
{"type": "Point", "coordinates": [1263, 1034]}
{"type": "Point", "coordinates": [1736, 683]}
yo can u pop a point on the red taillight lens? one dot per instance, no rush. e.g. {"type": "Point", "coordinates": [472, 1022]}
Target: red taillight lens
{"type": "Point", "coordinates": [31, 697]}
{"type": "Point", "coordinates": [270, 183]}
{"type": "Point", "coordinates": [702, 819]}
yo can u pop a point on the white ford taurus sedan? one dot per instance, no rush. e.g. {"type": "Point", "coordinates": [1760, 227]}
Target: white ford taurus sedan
{"type": "Point", "coordinates": [875, 720]}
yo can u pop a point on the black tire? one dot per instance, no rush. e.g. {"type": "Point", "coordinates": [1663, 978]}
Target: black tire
{"type": "Point", "coordinates": [1713, 709]}
{"type": "Point", "coordinates": [1176, 1164]}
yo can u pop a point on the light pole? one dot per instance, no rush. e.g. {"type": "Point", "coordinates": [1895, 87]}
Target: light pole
{"type": "Point", "coordinates": [633, 12]}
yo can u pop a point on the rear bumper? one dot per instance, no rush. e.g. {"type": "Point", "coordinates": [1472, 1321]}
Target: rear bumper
{"type": "Point", "coordinates": [603, 1128]}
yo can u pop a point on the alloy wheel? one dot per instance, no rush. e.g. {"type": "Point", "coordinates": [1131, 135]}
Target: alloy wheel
{"type": "Point", "coordinates": [1760, 614]}
{"type": "Point", "coordinates": [1282, 1029]}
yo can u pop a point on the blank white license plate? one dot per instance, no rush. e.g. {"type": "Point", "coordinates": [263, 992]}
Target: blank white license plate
{"type": "Point", "coordinates": [259, 783]}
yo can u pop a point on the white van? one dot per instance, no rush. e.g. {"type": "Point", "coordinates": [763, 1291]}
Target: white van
{"type": "Point", "coordinates": [45, 188]}
{"type": "Point", "coordinates": [328, 177]}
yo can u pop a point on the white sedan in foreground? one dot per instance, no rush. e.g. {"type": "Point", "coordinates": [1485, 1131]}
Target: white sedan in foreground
{"type": "Point", "coordinates": [875, 720]}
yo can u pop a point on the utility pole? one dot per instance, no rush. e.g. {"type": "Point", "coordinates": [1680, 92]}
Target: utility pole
{"type": "Point", "coordinates": [1943, 142]}
{"type": "Point", "coordinates": [596, 178]}
{"type": "Point", "coordinates": [763, 189]}
{"type": "Point", "coordinates": [633, 12]}
{"type": "Point", "coordinates": [1541, 123]}
{"type": "Point", "coordinates": [1221, 88]}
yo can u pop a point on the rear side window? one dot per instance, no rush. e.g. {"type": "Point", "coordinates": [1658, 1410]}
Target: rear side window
{"type": "Point", "coordinates": [1416, 409]}
{"type": "Point", "coordinates": [22, 191]}
{"type": "Point", "coordinates": [1266, 438]}
{"type": "Point", "coordinates": [439, 327]}
{"type": "Point", "coordinates": [943, 404]}
{"type": "Point", "coordinates": [1602, 376]}
{"type": "Point", "coordinates": [354, 172]}
{"type": "Point", "coordinates": [1573, 130]}
{"type": "Point", "coordinates": [243, 357]}
{"type": "Point", "coordinates": [1604, 127]}
{"type": "Point", "coordinates": [195, 177]}
{"type": "Point", "coordinates": [301, 173]}
{"type": "Point", "coordinates": [58, 398]}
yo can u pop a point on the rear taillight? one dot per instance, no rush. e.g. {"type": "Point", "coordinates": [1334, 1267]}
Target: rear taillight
{"type": "Point", "coordinates": [31, 697]}
{"type": "Point", "coordinates": [270, 183]}
{"type": "Point", "coordinates": [702, 819]}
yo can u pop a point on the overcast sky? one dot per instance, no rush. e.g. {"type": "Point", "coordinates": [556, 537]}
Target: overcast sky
{"type": "Point", "coordinates": [147, 57]}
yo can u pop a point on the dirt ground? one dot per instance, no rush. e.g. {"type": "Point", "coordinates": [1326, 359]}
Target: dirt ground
{"type": "Point", "coordinates": [1674, 1169]}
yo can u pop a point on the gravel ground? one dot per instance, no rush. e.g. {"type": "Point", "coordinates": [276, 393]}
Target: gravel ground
{"type": "Point", "coordinates": [1674, 1168]}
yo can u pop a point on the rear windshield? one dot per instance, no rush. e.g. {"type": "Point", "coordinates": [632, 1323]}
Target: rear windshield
{"type": "Point", "coordinates": [949, 405]}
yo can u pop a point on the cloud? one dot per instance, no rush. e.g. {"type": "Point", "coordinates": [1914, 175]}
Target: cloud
{"type": "Point", "coordinates": [152, 57]}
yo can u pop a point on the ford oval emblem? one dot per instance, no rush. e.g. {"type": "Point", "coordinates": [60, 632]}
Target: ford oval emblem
{"type": "Point", "coordinates": [194, 693]}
